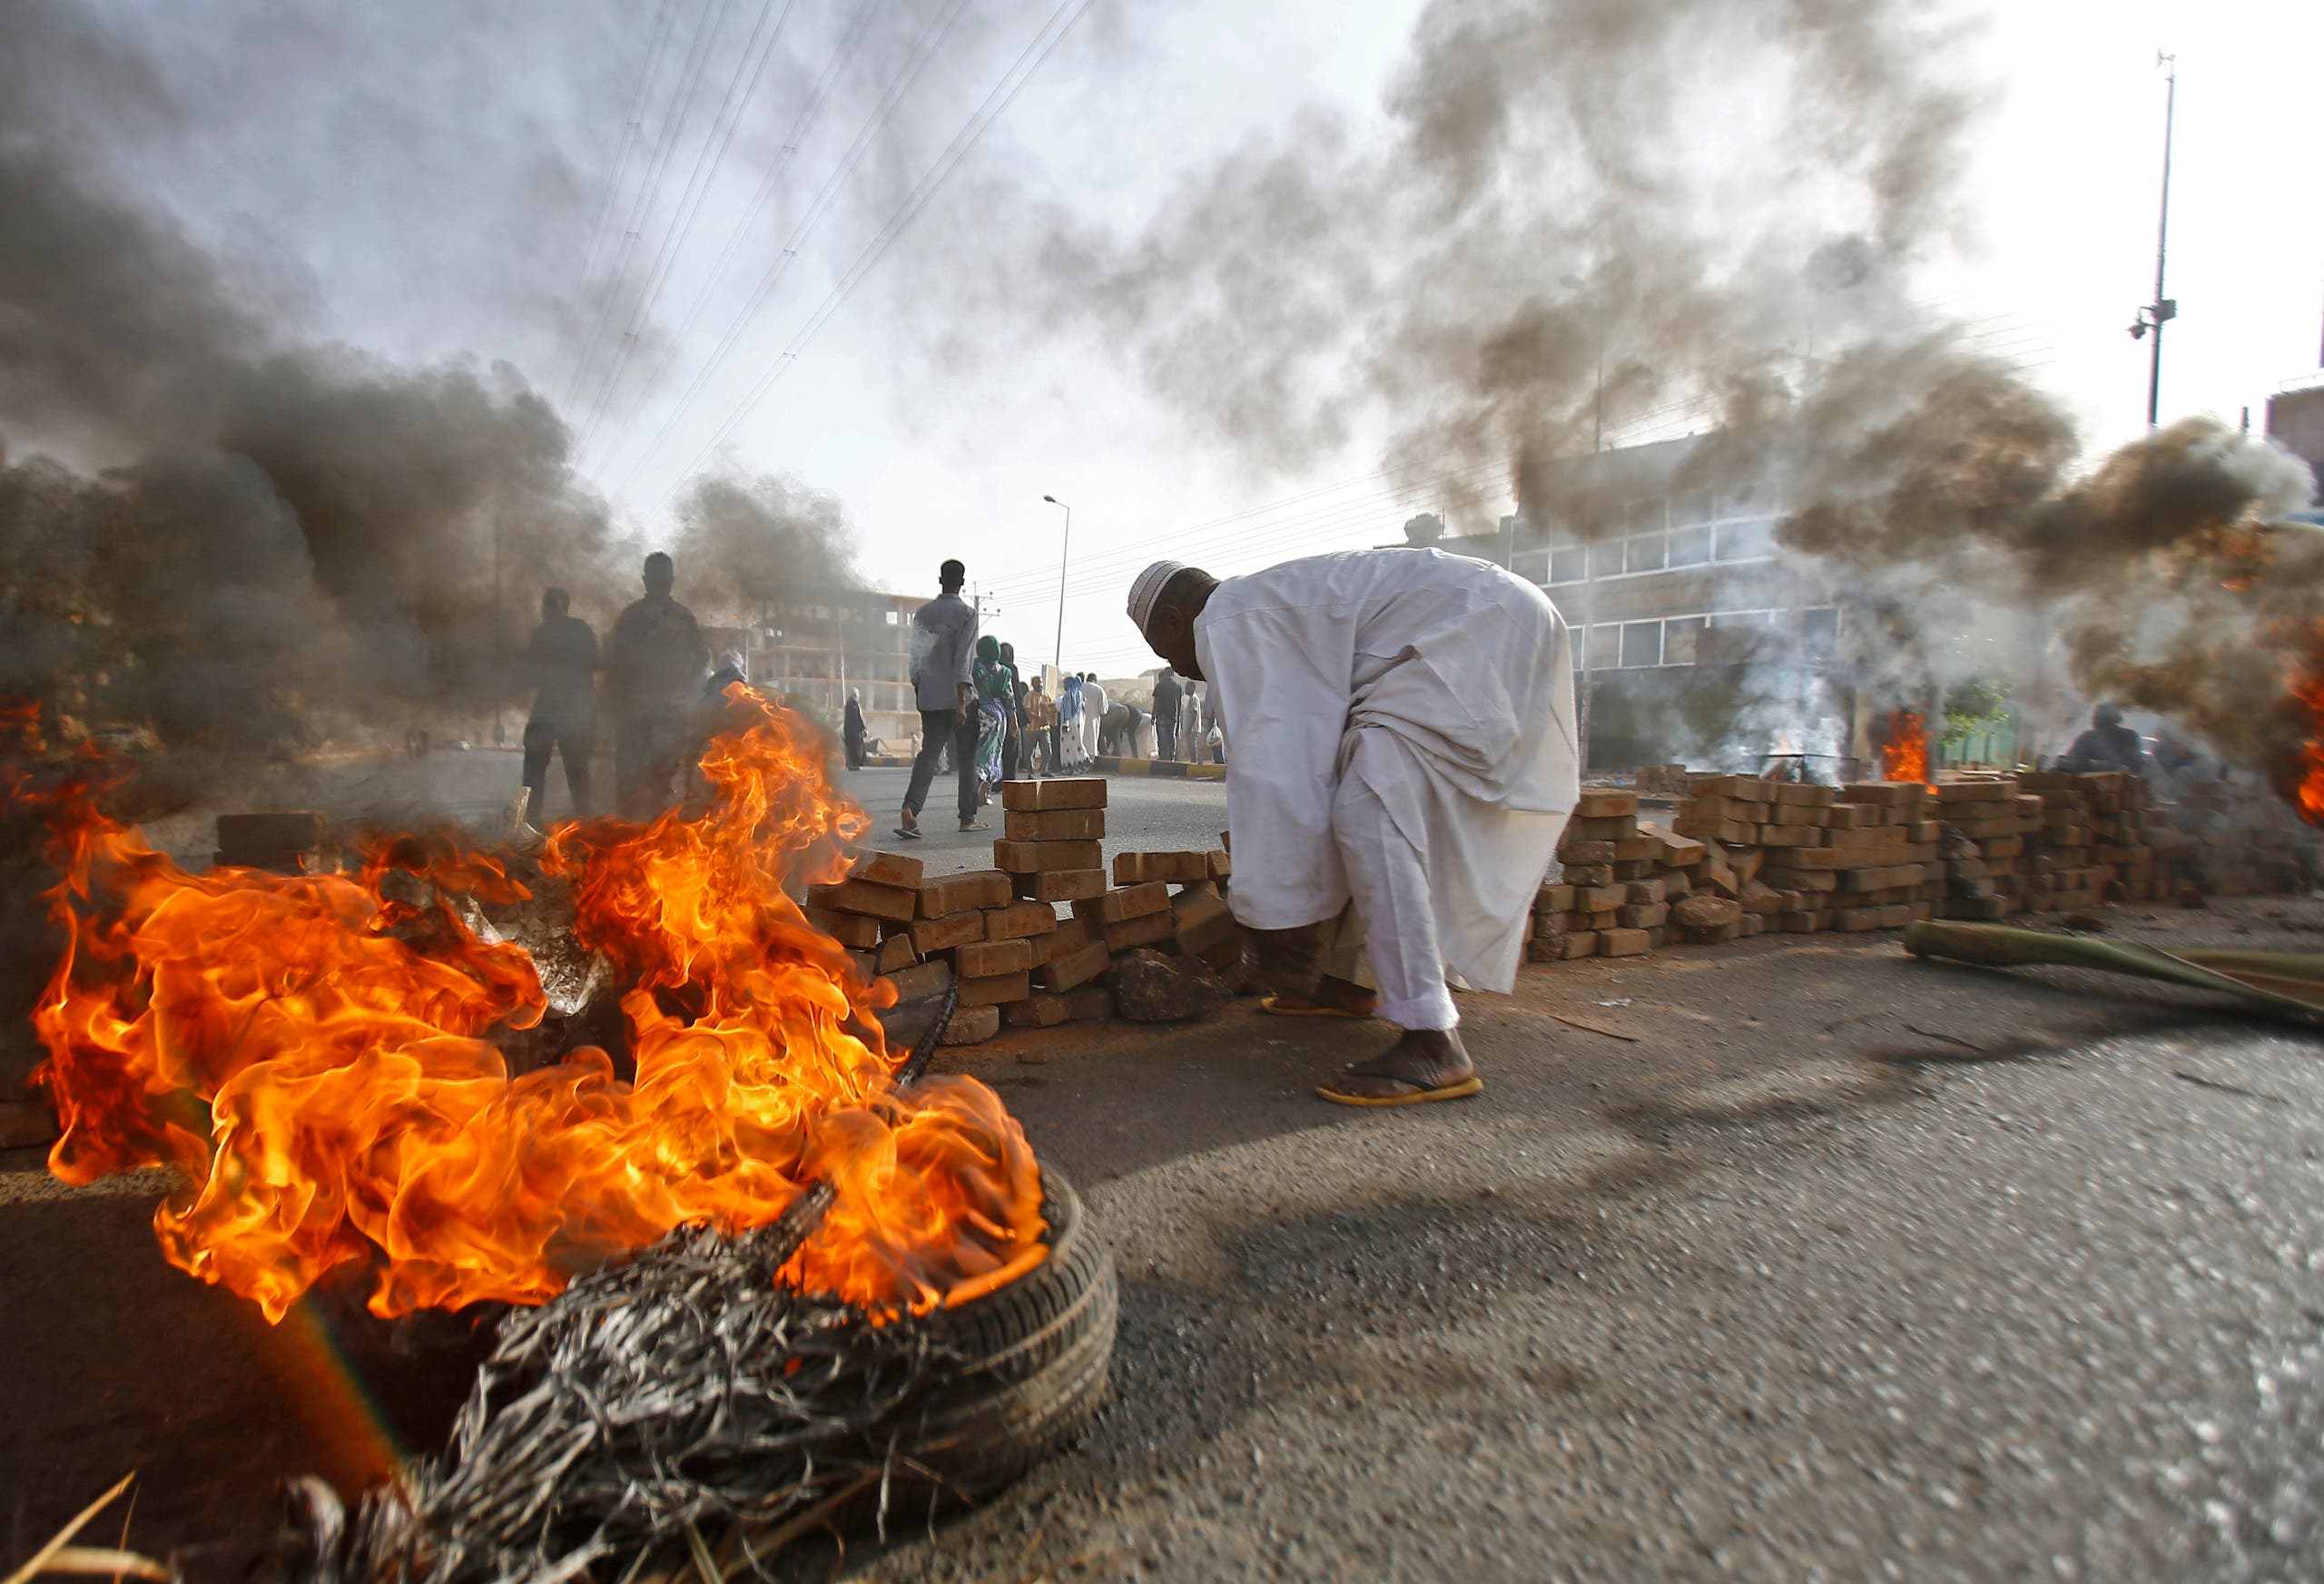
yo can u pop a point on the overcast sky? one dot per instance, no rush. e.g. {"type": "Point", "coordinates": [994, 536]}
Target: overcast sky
{"type": "Point", "coordinates": [440, 182]}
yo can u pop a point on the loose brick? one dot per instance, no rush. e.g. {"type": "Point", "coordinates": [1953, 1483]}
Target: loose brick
{"type": "Point", "coordinates": [930, 936]}
{"type": "Point", "coordinates": [889, 869]}
{"type": "Point", "coordinates": [1036, 1011]}
{"type": "Point", "coordinates": [1643, 892]}
{"type": "Point", "coordinates": [1588, 874]}
{"type": "Point", "coordinates": [1070, 935]}
{"type": "Point", "coordinates": [1060, 885]}
{"type": "Point", "coordinates": [1170, 868]}
{"type": "Point", "coordinates": [957, 893]}
{"type": "Point", "coordinates": [1553, 899]}
{"type": "Point", "coordinates": [1807, 794]}
{"type": "Point", "coordinates": [1076, 968]}
{"type": "Point", "coordinates": [859, 931]}
{"type": "Point", "coordinates": [1602, 802]}
{"type": "Point", "coordinates": [1646, 847]}
{"type": "Point", "coordinates": [1149, 929]}
{"type": "Point", "coordinates": [1053, 826]}
{"type": "Point", "coordinates": [1605, 829]}
{"type": "Point", "coordinates": [896, 952]}
{"type": "Point", "coordinates": [922, 980]}
{"type": "Point", "coordinates": [1222, 865]}
{"type": "Point", "coordinates": [1646, 917]}
{"type": "Point", "coordinates": [1130, 902]}
{"type": "Point", "coordinates": [1570, 853]}
{"type": "Point", "coordinates": [1082, 792]}
{"type": "Point", "coordinates": [1579, 943]}
{"type": "Point", "coordinates": [1624, 943]}
{"type": "Point", "coordinates": [992, 989]}
{"type": "Point", "coordinates": [864, 897]}
{"type": "Point", "coordinates": [981, 959]}
{"type": "Point", "coordinates": [972, 1024]}
{"type": "Point", "coordinates": [1019, 920]}
{"type": "Point", "coordinates": [1035, 857]}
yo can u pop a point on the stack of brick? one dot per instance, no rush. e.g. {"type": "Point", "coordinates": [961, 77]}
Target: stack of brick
{"type": "Point", "coordinates": [1618, 880]}
{"type": "Point", "coordinates": [918, 931]}
{"type": "Point", "coordinates": [1989, 835]}
{"type": "Point", "coordinates": [2232, 840]}
{"type": "Point", "coordinates": [1201, 921]}
{"type": "Point", "coordinates": [1661, 781]}
{"type": "Point", "coordinates": [1801, 857]}
{"type": "Point", "coordinates": [2093, 844]}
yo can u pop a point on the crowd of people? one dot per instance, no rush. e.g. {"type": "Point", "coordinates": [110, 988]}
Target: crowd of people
{"type": "Point", "coordinates": [981, 717]}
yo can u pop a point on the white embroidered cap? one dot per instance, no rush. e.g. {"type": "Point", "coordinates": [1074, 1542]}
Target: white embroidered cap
{"type": "Point", "coordinates": [1148, 588]}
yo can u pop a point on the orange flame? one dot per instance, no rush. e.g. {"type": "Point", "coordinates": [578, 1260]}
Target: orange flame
{"type": "Point", "coordinates": [1904, 755]}
{"type": "Point", "coordinates": [2301, 780]}
{"type": "Point", "coordinates": [315, 1055]}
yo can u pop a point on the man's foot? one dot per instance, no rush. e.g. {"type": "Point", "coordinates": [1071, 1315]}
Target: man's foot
{"type": "Point", "coordinates": [976, 825]}
{"type": "Point", "coordinates": [1334, 998]}
{"type": "Point", "coordinates": [910, 826]}
{"type": "Point", "coordinates": [1426, 1064]}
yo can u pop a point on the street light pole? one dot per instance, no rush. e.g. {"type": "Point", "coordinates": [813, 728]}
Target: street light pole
{"type": "Point", "coordinates": [2162, 309]}
{"type": "Point", "coordinates": [1063, 550]}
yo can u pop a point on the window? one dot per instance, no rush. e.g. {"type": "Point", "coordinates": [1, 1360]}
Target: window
{"type": "Point", "coordinates": [1639, 517]}
{"type": "Point", "coordinates": [1533, 565]}
{"type": "Point", "coordinates": [1646, 552]}
{"type": "Point", "coordinates": [1570, 564]}
{"type": "Point", "coordinates": [1820, 633]}
{"type": "Point", "coordinates": [1689, 546]}
{"type": "Point", "coordinates": [1741, 500]}
{"type": "Point", "coordinates": [1605, 646]}
{"type": "Point", "coordinates": [1753, 621]}
{"type": "Point", "coordinates": [893, 618]}
{"type": "Point", "coordinates": [1641, 643]}
{"type": "Point", "coordinates": [1692, 506]}
{"type": "Point", "coordinates": [1679, 635]}
{"type": "Point", "coordinates": [1748, 541]}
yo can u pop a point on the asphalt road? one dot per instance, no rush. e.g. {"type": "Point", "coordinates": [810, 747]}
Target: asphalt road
{"type": "Point", "coordinates": [1787, 1260]}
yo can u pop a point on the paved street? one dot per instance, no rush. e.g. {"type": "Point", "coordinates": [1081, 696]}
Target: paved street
{"type": "Point", "coordinates": [1790, 1259]}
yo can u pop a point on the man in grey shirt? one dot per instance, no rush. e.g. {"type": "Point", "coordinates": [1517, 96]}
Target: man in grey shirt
{"type": "Point", "coordinates": [943, 644]}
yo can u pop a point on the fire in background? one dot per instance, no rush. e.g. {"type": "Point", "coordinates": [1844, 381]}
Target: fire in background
{"type": "Point", "coordinates": [1904, 751]}
{"type": "Point", "coordinates": [316, 1054]}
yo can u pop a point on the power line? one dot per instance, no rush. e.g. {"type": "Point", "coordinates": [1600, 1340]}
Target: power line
{"type": "Point", "coordinates": [1012, 83]}
{"type": "Point", "coordinates": [705, 171]}
{"type": "Point", "coordinates": [630, 127]}
{"type": "Point", "coordinates": [697, 56]}
{"type": "Point", "coordinates": [824, 198]}
{"type": "Point", "coordinates": [857, 29]}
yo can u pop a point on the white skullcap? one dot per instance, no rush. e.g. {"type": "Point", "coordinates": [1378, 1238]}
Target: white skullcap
{"type": "Point", "coordinates": [1148, 588]}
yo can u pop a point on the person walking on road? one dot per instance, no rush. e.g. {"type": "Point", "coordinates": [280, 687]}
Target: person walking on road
{"type": "Point", "coordinates": [654, 659]}
{"type": "Point", "coordinates": [1167, 695]}
{"type": "Point", "coordinates": [1093, 716]}
{"type": "Point", "coordinates": [1040, 730]}
{"type": "Point", "coordinates": [852, 731]}
{"type": "Point", "coordinates": [1404, 762]}
{"type": "Point", "coordinates": [1068, 722]}
{"type": "Point", "coordinates": [561, 660]}
{"type": "Point", "coordinates": [943, 647]}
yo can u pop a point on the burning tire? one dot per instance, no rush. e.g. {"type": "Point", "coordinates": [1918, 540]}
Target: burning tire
{"type": "Point", "coordinates": [1034, 1360]}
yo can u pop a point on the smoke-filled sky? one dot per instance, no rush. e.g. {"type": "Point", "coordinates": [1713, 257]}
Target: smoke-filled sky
{"type": "Point", "coordinates": [1213, 262]}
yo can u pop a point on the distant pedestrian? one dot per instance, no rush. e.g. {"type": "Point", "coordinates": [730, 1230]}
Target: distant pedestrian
{"type": "Point", "coordinates": [852, 731]}
{"type": "Point", "coordinates": [1093, 716]}
{"type": "Point", "coordinates": [2108, 745]}
{"type": "Point", "coordinates": [562, 663]}
{"type": "Point", "coordinates": [1166, 696]}
{"type": "Point", "coordinates": [995, 686]}
{"type": "Point", "coordinates": [943, 647]}
{"type": "Point", "coordinates": [1012, 745]}
{"type": "Point", "coordinates": [653, 665]}
{"type": "Point", "coordinates": [1068, 720]}
{"type": "Point", "coordinates": [1040, 730]}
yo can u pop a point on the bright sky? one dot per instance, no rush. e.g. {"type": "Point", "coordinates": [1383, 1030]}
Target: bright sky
{"type": "Point", "coordinates": [936, 455]}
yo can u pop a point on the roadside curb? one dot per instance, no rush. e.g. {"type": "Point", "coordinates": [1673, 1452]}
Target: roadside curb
{"type": "Point", "coordinates": [1162, 768]}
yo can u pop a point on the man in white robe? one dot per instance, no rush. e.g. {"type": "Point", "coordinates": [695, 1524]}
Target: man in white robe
{"type": "Point", "coordinates": [1402, 723]}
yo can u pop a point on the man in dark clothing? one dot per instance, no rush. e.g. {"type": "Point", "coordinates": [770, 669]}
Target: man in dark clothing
{"type": "Point", "coordinates": [1118, 736]}
{"type": "Point", "coordinates": [852, 731]}
{"type": "Point", "coordinates": [1167, 695]}
{"type": "Point", "coordinates": [2108, 745]}
{"type": "Point", "coordinates": [1012, 746]}
{"type": "Point", "coordinates": [944, 649]}
{"type": "Point", "coordinates": [655, 658]}
{"type": "Point", "coordinates": [562, 662]}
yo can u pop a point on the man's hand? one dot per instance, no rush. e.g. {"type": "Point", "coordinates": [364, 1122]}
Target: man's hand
{"type": "Point", "coordinates": [961, 708]}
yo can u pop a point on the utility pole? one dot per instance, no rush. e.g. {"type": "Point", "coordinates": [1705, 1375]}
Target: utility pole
{"type": "Point", "coordinates": [2162, 309]}
{"type": "Point", "coordinates": [1063, 550]}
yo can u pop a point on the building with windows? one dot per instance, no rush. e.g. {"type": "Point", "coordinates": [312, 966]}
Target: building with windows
{"type": "Point", "coordinates": [1692, 628]}
{"type": "Point", "coordinates": [813, 648]}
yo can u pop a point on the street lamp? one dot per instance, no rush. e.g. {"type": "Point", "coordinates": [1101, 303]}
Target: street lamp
{"type": "Point", "coordinates": [1063, 551]}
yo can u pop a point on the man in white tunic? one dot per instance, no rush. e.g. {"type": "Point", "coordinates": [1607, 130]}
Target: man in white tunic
{"type": "Point", "coordinates": [1404, 761]}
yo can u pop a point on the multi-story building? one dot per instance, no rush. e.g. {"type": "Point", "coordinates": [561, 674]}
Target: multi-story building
{"type": "Point", "coordinates": [1692, 627]}
{"type": "Point", "coordinates": [816, 647]}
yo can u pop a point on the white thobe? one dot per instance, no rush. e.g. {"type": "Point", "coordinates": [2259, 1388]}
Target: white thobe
{"type": "Point", "coordinates": [1402, 723]}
